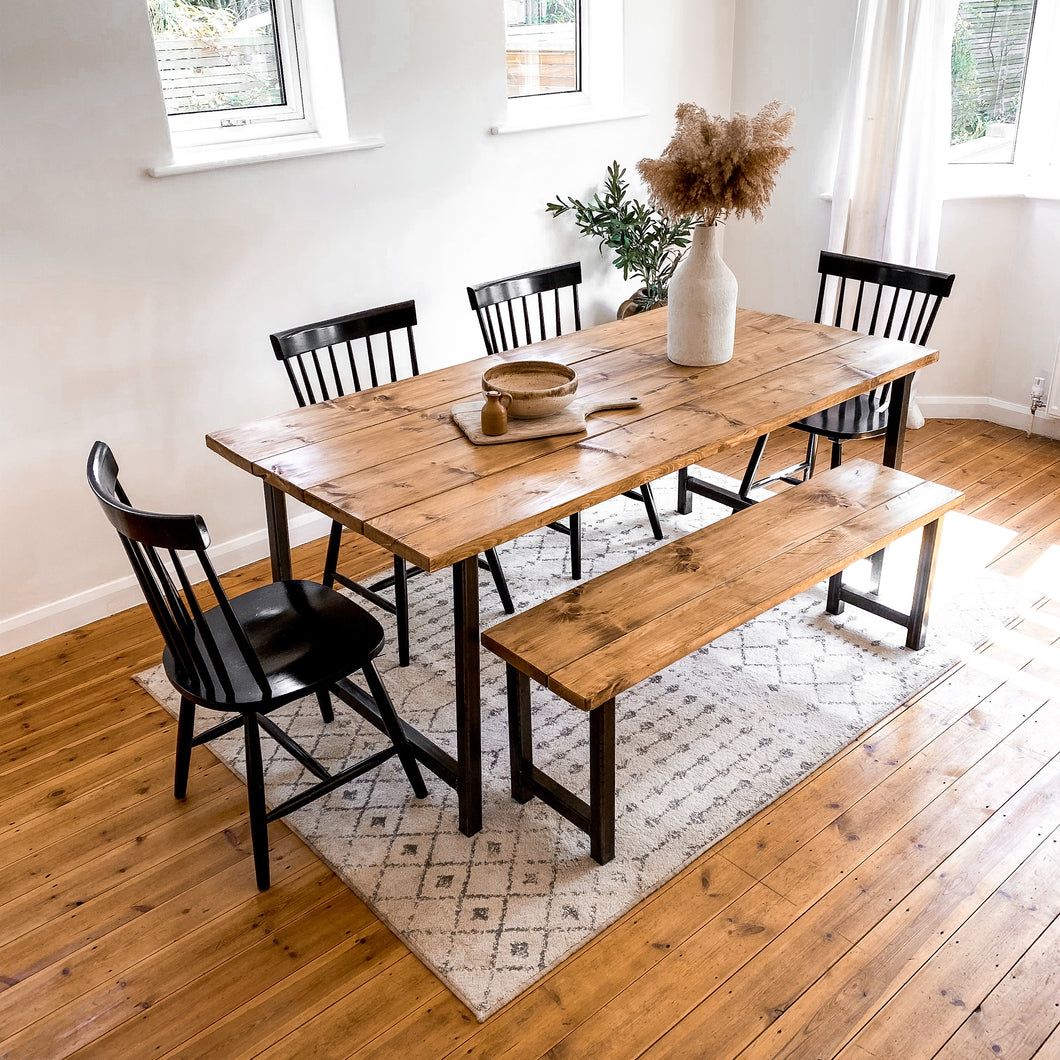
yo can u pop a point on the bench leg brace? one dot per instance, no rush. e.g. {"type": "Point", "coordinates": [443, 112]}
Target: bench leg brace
{"type": "Point", "coordinates": [915, 622]}
{"type": "Point", "coordinates": [597, 817]}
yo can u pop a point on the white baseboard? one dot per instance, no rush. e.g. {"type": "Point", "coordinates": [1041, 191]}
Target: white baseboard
{"type": "Point", "coordinates": [992, 410]}
{"type": "Point", "coordinates": [20, 631]}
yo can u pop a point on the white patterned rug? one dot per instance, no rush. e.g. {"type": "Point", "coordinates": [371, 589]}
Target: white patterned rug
{"type": "Point", "coordinates": [701, 747]}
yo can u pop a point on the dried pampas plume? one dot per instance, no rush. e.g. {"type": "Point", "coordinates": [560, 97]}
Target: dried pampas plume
{"type": "Point", "coordinates": [713, 168]}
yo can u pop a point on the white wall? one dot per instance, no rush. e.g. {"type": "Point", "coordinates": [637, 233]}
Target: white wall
{"type": "Point", "coordinates": [137, 310]}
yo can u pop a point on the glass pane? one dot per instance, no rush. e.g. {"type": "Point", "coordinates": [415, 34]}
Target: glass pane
{"type": "Point", "coordinates": [216, 54]}
{"type": "Point", "coordinates": [988, 68]}
{"type": "Point", "coordinates": [542, 44]}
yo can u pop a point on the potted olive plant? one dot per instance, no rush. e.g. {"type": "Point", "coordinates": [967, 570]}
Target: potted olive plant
{"type": "Point", "coordinates": [647, 244]}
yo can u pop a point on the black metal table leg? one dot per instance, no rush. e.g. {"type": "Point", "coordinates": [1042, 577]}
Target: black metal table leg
{"type": "Point", "coordinates": [279, 535]}
{"type": "Point", "coordinates": [894, 443]}
{"type": "Point", "coordinates": [468, 695]}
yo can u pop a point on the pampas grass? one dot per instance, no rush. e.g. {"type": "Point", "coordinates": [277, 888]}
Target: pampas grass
{"type": "Point", "coordinates": [713, 169]}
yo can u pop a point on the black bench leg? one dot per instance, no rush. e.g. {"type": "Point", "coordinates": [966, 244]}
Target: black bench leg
{"type": "Point", "coordinates": [925, 575]}
{"type": "Point", "coordinates": [684, 497]}
{"type": "Point", "coordinates": [876, 571]}
{"type": "Point", "coordinates": [835, 604]}
{"type": "Point", "coordinates": [520, 736]}
{"type": "Point", "coordinates": [602, 782]}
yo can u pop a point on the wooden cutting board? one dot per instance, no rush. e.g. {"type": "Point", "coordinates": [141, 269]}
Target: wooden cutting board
{"type": "Point", "coordinates": [468, 417]}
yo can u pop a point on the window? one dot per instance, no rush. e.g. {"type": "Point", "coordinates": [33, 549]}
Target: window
{"type": "Point", "coordinates": [229, 68]}
{"type": "Point", "coordinates": [543, 46]}
{"type": "Point", "coordinates": [564, 63]}
{"type": "Point", "coordinates": [988, 68]}
{"type": "Point", "coordinates": [248, 80]}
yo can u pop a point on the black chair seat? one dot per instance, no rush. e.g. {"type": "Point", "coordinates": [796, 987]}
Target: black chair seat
{"type": "Point", "coordinates": [302, 634]}
{"type": "Point", "coordinates": [853, 419]}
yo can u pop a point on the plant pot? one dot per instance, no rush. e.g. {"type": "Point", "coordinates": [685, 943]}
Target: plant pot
{"type": "Point", "coordinates": [629, 307]}
{"type": "Point", "coordinates": [701, 325]}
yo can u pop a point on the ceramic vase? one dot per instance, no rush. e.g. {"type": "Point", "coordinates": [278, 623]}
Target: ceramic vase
{"type": "Point", "coordinates": [701, 320]}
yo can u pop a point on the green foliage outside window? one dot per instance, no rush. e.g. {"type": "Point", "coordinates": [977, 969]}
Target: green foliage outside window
{"type": "Point", "coordinates": [987, 65]}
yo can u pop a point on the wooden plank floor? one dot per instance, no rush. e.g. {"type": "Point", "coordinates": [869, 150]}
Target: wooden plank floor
{"type": "Point", "coordinates": [901, 902]}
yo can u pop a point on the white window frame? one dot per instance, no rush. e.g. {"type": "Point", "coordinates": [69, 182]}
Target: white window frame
{"type": "Point", "coordinates": [601, 97]}
{"type": "Point", "coordinates": [1035, 164]}
{"type": "Point", "coordinates": [255, 123]}
{"type": "Point", "coordinates": [307, 33]}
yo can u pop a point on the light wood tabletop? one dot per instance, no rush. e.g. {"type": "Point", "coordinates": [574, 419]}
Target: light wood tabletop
{"type": "Point", "coordinates": [391, 464]}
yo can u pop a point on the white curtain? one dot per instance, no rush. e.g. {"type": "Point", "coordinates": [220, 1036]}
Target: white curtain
{"type": "Point", "coordinates": [887, 199]}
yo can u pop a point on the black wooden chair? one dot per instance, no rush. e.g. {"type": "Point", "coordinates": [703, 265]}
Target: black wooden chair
{"type": "Point", "coordinates": [250, 654]}
{"type": "Point", "coordinates": [518, 310]}
{"type": "Point", "coordinates": [874, 297]}
{"type": "Point", "coordinates": [334, 357]}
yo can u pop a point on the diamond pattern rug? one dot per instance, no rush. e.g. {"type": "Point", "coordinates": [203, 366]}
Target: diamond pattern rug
{"type": "Point", "coordinates": [701, 747]}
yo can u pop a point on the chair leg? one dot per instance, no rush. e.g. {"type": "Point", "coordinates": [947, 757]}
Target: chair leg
{"type": "Point", "coordinates": [837, 454]}
{"type": "Point", "coordinates": [751, 472]}
{"type": "Point", "coordinates": [401, 612]}
{"type": "Point", "coordinates": [327, 712]}
{"type": "Point", "coordinates": [394, 730]}
{"type": "Point", "coordinates": [811, 456]}
{"type": "Point", "coordinates": [331, 560]}
{"type": "Point", "coordinates": [684, 495]}
{"type": "Point", "coordinates": [493, 561]}
{"type": "Point", "coordinates": [185, 727]}
{"type": "Point", "coordinates": [576, 546]}
{"type": "Point", "coordinates": [648, 499]}
{"type": "Point", "coordinates": [259, 828]}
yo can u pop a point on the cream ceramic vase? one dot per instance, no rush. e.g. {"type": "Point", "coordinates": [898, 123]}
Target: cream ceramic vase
{"type": "Point", "coordinates": [701, 314]}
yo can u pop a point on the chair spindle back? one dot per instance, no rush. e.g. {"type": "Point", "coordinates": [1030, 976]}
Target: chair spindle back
{"type": "Point", "coordinates": [519, 310]}
{"type": "Point", "coordinates": [334, 357]}
{"type": "Point", "coordinates": [877, 298]}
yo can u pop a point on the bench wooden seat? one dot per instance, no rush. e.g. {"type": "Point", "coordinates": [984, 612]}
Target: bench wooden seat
{"type": "Point", "coordinates": [602, 637]}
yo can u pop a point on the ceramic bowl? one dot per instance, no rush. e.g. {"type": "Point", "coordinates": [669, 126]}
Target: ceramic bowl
{"type": "Point", "coordinates": [537, 388]}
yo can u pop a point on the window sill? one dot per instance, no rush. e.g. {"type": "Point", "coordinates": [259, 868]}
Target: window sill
{"type": "Point", "coordinates": [558, 118]}
{"type": "Point", "coordinates": [250, 153]}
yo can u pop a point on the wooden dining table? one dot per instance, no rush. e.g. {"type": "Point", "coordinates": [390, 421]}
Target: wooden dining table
{"type": "Point", "coordinates": [391, 464]}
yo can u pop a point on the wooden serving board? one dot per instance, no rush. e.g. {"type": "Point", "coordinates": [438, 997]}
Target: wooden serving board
{"type": "Point", "coordinates": [468, 417]}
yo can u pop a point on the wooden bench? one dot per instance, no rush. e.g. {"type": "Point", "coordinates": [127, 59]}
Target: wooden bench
{"type": "Point", "coordinates": [606, 635]}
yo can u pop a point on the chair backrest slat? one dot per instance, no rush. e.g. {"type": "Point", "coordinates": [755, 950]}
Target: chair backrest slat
{"type": "Point", "coordinates": [359, 368]}
{"type": "Point", "coordinates": [504, 325]}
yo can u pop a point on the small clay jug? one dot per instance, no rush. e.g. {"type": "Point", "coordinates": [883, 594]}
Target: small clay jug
{"type": "Point", "coordinates": [495, 412]}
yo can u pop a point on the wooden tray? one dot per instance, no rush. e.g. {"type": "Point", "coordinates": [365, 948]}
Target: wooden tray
{"type": "Point", "coordinates": [468, 417]}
